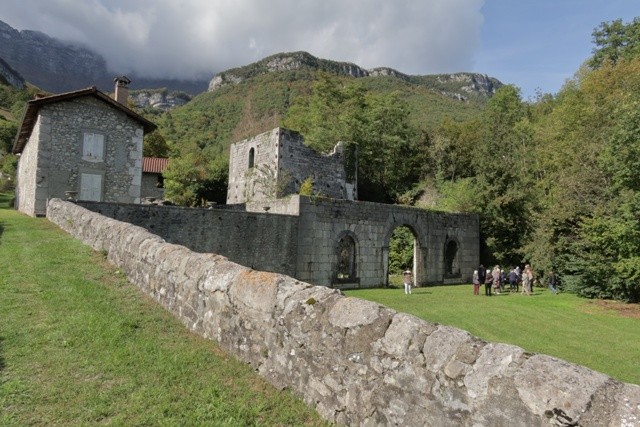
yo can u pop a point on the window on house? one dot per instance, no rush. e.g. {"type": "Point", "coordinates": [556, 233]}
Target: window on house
{"type": "Point", "coordinates": [93, 147]}
{"type": "Point", "coordinates": [91, 187]}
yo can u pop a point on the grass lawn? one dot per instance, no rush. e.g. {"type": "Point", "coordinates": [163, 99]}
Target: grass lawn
{"type": "Point", "coordinates": [79, 346]}
{"type": "Point", "coordinates": [582, 331]}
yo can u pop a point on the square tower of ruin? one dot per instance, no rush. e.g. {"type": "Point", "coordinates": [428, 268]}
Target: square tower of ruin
{"type": "Point", "coordinates": [274, 164]}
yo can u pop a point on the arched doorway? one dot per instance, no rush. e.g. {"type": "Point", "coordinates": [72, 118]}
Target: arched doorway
{"type": "Point", "coordinates": [403, 253]}
{"type": "Point", "coordinates": [345, 271]}
{"type": "Point", "coordinates": [451, 259]}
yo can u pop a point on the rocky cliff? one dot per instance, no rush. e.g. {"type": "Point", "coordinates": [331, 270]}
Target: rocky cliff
{"type": "Point", "coordinates": [56, 66]}
{"type": "Point", "coordinates": [48, 63]}
{"type": "Point", "coordinates": [461, 86]}
{"type": "Point", "coordinates": [160, 99]}
{"type": "Point", "coordinates": [11, 76]}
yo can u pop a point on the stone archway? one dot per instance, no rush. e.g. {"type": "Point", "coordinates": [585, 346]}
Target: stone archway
{"type": "Point", "coordinates": [451, 258]}
{"type": "Point", "coordinates": [345, 262]}
{"type": "Point", "coordinates": [418, 262]}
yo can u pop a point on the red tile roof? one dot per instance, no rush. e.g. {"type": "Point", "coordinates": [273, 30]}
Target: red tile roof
{"type": "Point", "coordinates": [154, 164]}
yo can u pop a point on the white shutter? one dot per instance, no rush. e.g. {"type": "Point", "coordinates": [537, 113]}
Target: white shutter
{"type": "Point", "coordinates": [93, 147]}
{"type": "Point", "coordinates": [91, 187]}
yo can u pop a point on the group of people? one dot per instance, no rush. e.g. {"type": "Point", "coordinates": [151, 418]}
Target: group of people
{"type": "Point", "coordinates": [495, 280]}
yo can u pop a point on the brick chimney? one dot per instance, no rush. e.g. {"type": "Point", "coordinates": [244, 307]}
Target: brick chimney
{"type": "Point", "coordinates": [122, 89]}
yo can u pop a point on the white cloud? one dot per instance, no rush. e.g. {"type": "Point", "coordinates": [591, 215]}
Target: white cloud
{"type": "Point", "coordinates": [189, 38]}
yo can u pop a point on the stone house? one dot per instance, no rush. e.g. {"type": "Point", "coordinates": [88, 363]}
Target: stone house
{"type": "Point", "coordinates": [82, 144]}
{"type": "Point", "coordinates": [152, 178]}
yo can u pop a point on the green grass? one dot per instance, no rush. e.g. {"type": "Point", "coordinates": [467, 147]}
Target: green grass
{"type": "Point", "coordinates": [564, 326]}
{"type": "Point", "coordinates": [79, 345]}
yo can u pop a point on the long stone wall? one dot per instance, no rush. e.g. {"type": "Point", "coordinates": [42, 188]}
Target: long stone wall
{"type": "Point", "coordinates": [356, 362]}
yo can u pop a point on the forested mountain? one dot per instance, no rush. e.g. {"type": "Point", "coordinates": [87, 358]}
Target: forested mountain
{"type": "Point", "coordinates": [280, 89]}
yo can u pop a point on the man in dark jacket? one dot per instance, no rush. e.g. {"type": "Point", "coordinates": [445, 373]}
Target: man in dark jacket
{"type": "Point", "coordinates": [482, 273]}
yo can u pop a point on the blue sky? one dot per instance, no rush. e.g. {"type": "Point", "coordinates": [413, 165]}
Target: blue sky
{"type": "Point", "coordinates": [540, 44]}
{"type": "Point", "coordinates": [529, 43]}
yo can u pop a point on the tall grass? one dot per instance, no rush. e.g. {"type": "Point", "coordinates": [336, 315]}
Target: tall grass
{"type": "Point", "coordinates": [564, 326]}
{"type": "Point", "coordinates": [79, 345]}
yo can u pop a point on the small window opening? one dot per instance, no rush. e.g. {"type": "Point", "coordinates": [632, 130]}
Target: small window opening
{"type": "Point", "coordinates": [252, 154]}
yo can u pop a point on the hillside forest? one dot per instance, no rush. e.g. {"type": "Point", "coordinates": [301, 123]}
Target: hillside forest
{"type": "Point", "coordinates": [555, 180]}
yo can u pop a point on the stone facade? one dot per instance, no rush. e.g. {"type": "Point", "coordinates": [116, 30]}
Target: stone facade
{"type": "Point", "coordinates": [355, 361]}
{"type": "Point", "coordinates": [306, 237]}
{"type": "Point", "coordinates": [149, 186]}
{"type": "Point", "coordinates": [275, 163]}
{"type": "Point", "coordinates": [253, 239]}
{"type": "Point", "coordinates": [54, 158]}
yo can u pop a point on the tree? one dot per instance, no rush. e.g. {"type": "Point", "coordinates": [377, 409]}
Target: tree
{"type": "Point", "coordinates": [389, 154]}
{"type": "Point", "coordinates": [501, 182]}
{"type": "Point", "coordinates": [155, 145]}
{"type": "Point", "coordinates": [615, 40]}
{"type": "Point", "coordinates": [401, 250]}
{"type": "Point", "coordinates": [8, 131]}
{"type": "Point", "coordinates": [452, 149]}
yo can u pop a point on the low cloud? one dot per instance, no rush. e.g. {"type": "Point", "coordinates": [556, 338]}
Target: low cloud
{"type": "Point", "coordinates": [197, 38]}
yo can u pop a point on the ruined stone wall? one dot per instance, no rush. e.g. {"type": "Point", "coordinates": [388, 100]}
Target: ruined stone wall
{"type": "Point", "coordinates": [246, 183]}
{"type": "Point", "coordinates": [299, 236]}
{"type": "Point", "coordinates": [322, 221]}
{"type": "Point", "coordinates": [327, 171]}
{"type": "Point", "coordinates": [356, 362]}
{"type": "Point", "coordinates": [261, 241]}
{"type": "Point", "coordinates": [281, 162]}
{"type": "Point", "coordinates": [149, 186]}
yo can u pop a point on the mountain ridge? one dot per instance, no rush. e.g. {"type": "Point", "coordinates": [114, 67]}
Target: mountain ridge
{"type": "Point", "coordinates": [57, 66]}
{"type": "Point", "coordinates": [477, 84]}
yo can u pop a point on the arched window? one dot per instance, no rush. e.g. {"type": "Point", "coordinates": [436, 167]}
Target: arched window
{"type": "Point", "coordinates": [252, 154]}
{"type": "Point", "coordinates": [346, 252]}
{"type": "Point", "coordinates": [451, 265]}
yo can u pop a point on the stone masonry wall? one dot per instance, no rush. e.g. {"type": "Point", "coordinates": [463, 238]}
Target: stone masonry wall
{"type": "Point", "coordinates": [149, 186]}
{"type": "Point", "coordinates": [59, 134]}
{"type": "Point", "coordinates": [257, 240]}
{"type": "Point", "coordinates": [327, 171]}
{"type": "Point", "coordinates": [356, 362]}
{"type": "Point", "coordinates": [289, 162]}
{"type": "Point", "coordinates": [122, 165]}
{"type": "Point", "coordinates": [31, 196]}
{"type": "Point", "coordinates": [242, 185]}
{"type": "Point", "coordinates": [322, 221]}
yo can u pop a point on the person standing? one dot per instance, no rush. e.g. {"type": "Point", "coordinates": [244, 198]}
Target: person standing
{"type": "Point", "coordinates": [488, 283]}
{"type": "Point", "coordinates": [482, 274]}
{"type": "Point", "coordinates": [476, 283]}
{"type": "Point", "coordinates": [527, 280]}
{"type": "Point", "coordinates": [408, 282]}
{"type": "Point", "coordinates": [497, 276]}
{"type": "Point", "coordinates": [552, 280]}
{"type": "Point", "coordinates": [513, 280]}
